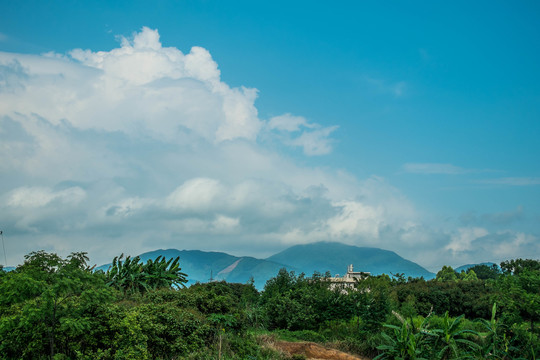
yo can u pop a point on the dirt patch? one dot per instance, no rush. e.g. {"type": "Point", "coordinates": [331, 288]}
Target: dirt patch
{"type": "Point", "coordinates": [312, 351]}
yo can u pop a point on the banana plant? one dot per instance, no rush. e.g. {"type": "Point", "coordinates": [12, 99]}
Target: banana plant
{"type": "Point", "coordinates": [407, 342]}
{"type": "Point", "coordinates": [496, 343]}
{"type": "Point", "coordinates": [131, 275]}
{"type": "Point", "coordinates": [452, 339]}
{"type": "Point", "coordinates": [125, 274]}
{"type": "Point", "coordinates": [162, 273]}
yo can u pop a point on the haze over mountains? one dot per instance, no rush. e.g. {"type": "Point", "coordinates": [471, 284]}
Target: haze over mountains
{"type": "Point", "coordinates": [202, 266]}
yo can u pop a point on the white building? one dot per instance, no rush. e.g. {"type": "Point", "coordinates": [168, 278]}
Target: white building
{"type": "Point", "coordinates": [348, 280]}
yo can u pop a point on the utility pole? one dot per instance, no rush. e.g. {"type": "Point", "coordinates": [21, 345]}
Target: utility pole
{"type": "Point", "coordinates": [3, 247]}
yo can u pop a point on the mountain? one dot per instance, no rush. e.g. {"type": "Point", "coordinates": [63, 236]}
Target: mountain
{"type": "Point", "coordinates": [201, 266]}
{"type": "Point", "coordinates": [468, 266]}
{"type": "Point", "coordinates": [334, 257]}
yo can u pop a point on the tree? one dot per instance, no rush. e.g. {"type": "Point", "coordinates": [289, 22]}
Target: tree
{"type": "Point", "coordinates": [521, 293]}
{"type": "Point", "coordinates": [372, 301]}
{"type": "Point", "coordinates": [470, 275]}
{"type": "Point", "coordinates": [48, 303]}
{"type": "Point", "coordinates": [299, 303]}
{"type": "Point", "coordinates": [485, 272]}
{"type": "Point", "coordinates": [446, 274]}
{"type": "Point", "coordinates": [516, 266]}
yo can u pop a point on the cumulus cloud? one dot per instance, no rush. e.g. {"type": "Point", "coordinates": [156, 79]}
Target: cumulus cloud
{"type": "Point", "coordinates": [355, 218]}
{"type": "Point", "coordinates": [288, 122]}
{"type": "Point", "coordinates": [315, 141]}
{"type": "Point", "coordinates": [462, 240]}
{"type": "Point", "coordinates": [144, 147]}
{"type": "Point", "coordinates": [196, 194]}
{"type": "Point", "coordinates": [140, 89]}
{"type": "Point", "coordinates": [479, 245]}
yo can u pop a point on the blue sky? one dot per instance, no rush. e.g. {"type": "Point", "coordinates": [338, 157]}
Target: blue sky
{"type": "Point", "coordinates": [248, 127]}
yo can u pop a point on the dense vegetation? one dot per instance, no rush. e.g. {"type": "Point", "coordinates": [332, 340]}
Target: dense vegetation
{"type": "Point", "coordinates": [55, 308]}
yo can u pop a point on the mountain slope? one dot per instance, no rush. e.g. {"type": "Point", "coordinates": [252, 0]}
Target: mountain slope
{"type": "Point", "coordinates": [201, 266]}
{"type": "Point", "coordinates": [334, 257]}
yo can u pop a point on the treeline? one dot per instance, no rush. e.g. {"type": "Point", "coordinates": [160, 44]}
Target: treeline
{"type": "Point", "coordinates": [56, 308]}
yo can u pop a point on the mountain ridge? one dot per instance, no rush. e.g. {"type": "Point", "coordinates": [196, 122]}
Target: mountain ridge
{"type": "Point", "coordinates": [203, 266]}
{"type": "Point", "coordinates": [335, 257]}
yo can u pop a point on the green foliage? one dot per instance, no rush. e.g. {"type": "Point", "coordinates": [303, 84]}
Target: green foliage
{"type": "Point", "coordinates": [485, 272]}
{"type": "Point", "coordinates": [516, 266]}
{"type": "Point", "coordinates": [452, 339]}
{"type": "Point", "coordinates": [428, 338]}
{"type": "Point", "coordinates": [520, 294]}
{"type": "Point", "coordinates": [57, 308]}
{"type": "Point", "coordinates": [407, 341]}
{"type": "Point", "coordinates": [130, 275]}
{"type": "Point", "coordinates": [47, 305]}
{"type": "Point", "coordinates": [298, 303]}
{"type": "Point", "coordinates": [446, 274]}
{"type": "Point", "coordinates": [471, 298]}
{"type": "Point", "coordinates": [495, 340]}
{"type": "Point", "coordinates": [469, 275]}
{"type": "Point", "coordinates": [172, 331]}
{"type": "Point", "coordinates": [372, 303]}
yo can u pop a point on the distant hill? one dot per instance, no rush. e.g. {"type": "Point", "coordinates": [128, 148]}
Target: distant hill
{"type": "Point", "coordinates": [468, 266]}
{"type": "Point", "coordinates": [334, 257]}
{"type": "Point", "coordinates": [201, 266]}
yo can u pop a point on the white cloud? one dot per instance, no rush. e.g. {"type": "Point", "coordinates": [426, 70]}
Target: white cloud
{"type": "Point", "coordinates": [196, 194]}
{"type": "Point", "coordinates": [140, 88]}
{"type": "Point", "coordinates": [288, 122]}
{"type": "Point", "coordinates": [144, 147]}
{"type": "Point", "coordinates": [514, 244]}
{"type": "Point", "coordinates": [35, 197]}
{"type": "Point", "coordinates": [474, 245]}
{"type": "Point", "coordinates": [126, 207]}
{"type": "Point", "coordinates": [462, 241]}
{"type": "Point", "coordinates": [357, 219]}
{"type": "Point", "coordinates": [313, 139]}
{"type": "Point", "coordinates": [315, 142]}
{"type": "Point", "coordinates": [224, 223]}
